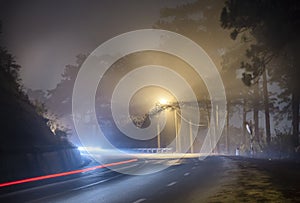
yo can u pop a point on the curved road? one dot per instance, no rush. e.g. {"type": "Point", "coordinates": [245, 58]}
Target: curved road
{"type": "Point", "coordinates": [215, 179]}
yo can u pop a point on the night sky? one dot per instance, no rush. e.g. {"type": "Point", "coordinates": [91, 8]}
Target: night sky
{"type": "Point", "coordinates": [47, 35]}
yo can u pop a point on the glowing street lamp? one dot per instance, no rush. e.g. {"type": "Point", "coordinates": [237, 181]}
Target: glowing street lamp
{"type": "Point", "coordinates": [163, 101]}
{"type": "Point", "coordinates": [165, 104]}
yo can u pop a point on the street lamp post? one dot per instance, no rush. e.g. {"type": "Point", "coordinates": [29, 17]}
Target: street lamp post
{"type": "Point", "coordinates": [176, 131]}
{"type": "Point", "coordinates": [165, 105]}
{"type": "Point", "coordinates": [191, 137]}
{"type": "Point", "coordinates": [158, 135]}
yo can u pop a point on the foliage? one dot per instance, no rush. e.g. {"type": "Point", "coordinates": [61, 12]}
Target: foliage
{"type": "Point", "coordinates": [59, 99]}
{"type": "Point", "coordinates": [281, 143]}
{"type": "Point", "coordinates": [275, 27]}
{"type": "Point", "coordinates": [40, 108]}
{"type": "Point", "coordinates": [14, 97]}
{"type": "Point", "coordinates": [9, 70]}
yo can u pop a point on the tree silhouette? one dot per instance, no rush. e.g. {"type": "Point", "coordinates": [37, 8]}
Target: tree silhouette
{"type": "Point", "coordinates": [23, 124]}
{"type": "Point", "coordinates": [275, 27]}
{"type": "Point", "coordinates": [198, 21]}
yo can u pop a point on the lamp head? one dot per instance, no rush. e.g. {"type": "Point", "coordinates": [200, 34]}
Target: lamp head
{"type": "Point", "coordinates": [163, 101]}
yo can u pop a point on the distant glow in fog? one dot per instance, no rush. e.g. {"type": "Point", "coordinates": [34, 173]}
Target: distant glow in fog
{"type": "Point", "coordinates": [84, 93]}
{"type": "Point", "coordinates": [163, 101]}
{"type": "Point", "coordinates": [90, 149]}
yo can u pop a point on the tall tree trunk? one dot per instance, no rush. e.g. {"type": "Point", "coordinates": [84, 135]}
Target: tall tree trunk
{"type": "Point", "coordinates": [266, 105]}
{"type": "Point", "coordinates": [255, 111]}
{"type": "Point", "coordinates": [216, 120]}
{"type": "Point", "coordinates": [244, 121]}
{"type": "Point", "coordinates": [227, 129]}
{"type": "Point", "coordinates": [295, 122]}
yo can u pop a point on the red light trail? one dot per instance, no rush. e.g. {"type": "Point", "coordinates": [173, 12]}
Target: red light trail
{"type": "Point", "coordinates": [65, 173]}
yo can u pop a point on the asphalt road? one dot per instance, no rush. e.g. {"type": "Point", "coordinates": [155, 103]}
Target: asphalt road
{"type": "Point", "coordinates": [215, 179]}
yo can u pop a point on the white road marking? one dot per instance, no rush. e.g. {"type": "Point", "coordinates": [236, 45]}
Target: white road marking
{"type": "Point", "coordinates": [186, 174]}
{"type": "Point", "coordinates": [95, 183]}
{"type": "Point", "coordinates": [75, 189]}
{"type": "Point", "coordinates": [126, 167]}
{"type": "Point", "coordinates": [170, 184]}
{"type": "Point", "coordinates": [172, 170]}
{"type": "Point", "coordinates": [194, 167]}
{"type": "Point", "coordinates": [140, 200]}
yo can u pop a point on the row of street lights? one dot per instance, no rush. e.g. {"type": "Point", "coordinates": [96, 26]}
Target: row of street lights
{"type": "Point", "coordinates": [165, 105]}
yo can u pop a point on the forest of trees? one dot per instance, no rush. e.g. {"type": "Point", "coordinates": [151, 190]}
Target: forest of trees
{"type": "Point", "coordinates": [273, 30]}
{"type": "Point", "coordinates": [17, 112]}
{"type": "Point", "coordinates": [28, 145]}
{"type": "Point", "coordinates": [259, 66]}
{"type": "Point", "coordinates": [265, 55]}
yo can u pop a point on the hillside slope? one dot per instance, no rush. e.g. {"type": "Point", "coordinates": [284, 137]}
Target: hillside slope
{"type": "Point", "coordinates": [27, 145]}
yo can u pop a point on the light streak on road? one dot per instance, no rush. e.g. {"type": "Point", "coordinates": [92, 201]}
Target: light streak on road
{"type": "Point", "coordinates": [66, 173]}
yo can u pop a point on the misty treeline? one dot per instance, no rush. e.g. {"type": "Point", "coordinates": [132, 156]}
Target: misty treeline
{"type": "Point", "coordinates": [255, 44]}
{"type": "Point", "coordinates": [11, 86]}
{"type": "Point", "coordinates": [9, 71]}
{"type": "Point", "coordinates": [19, 113]}
{"type": "Point", "coordinates": [270, 30]}
{"type": "Point", "coordinates": [265, 58]}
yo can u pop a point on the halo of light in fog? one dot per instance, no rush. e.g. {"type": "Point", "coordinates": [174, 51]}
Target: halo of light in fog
{"type": "Point", "coordinates": [109, 52]}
